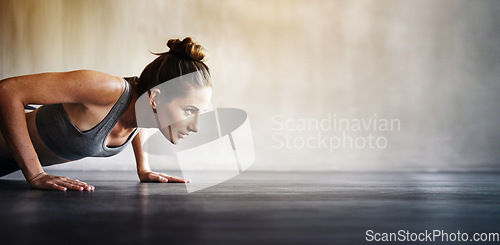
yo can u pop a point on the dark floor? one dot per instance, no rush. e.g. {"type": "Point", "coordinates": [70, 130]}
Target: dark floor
{"type": "Point", "coordinates": [252, 208]}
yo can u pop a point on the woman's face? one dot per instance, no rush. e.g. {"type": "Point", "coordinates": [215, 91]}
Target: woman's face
{"type": "Point", "coordinates": [180, 117]}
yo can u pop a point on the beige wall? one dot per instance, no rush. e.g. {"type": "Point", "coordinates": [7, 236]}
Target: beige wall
{"type": "Point", "coordinates": [432, 65]}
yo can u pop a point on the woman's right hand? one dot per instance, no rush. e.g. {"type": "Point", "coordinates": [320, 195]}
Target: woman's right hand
{"type": "Point", "coordinates": [51, 182]}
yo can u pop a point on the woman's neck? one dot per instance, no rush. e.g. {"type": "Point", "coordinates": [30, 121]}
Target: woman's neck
{"type": "Point", "coordinates": [128, 120]}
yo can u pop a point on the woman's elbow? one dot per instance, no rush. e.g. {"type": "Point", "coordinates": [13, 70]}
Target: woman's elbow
{"type": "Point", "coordinates": [8, 93]}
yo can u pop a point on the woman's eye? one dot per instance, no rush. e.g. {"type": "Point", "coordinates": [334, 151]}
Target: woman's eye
{"type": "Point", "coordinates": [189, 111]}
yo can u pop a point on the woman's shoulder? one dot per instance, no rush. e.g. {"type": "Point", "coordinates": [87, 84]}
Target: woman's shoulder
{"type": "Point", "coordinates": [86, 87]}
{"type": "Point", "coordinates": [100, 88]}
{"type": "Point", "coordinates": [100, 80]}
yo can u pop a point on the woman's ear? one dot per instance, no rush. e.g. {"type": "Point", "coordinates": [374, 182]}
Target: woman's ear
{"type": "Point", "coordinates": [154, 97]}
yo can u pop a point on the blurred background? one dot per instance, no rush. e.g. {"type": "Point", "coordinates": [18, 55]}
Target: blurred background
{"type": "Point", "coordinates": [431, 66]}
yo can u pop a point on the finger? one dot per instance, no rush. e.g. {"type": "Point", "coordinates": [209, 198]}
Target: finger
{"type": "Point", "coordinates": [68, 184]}
{"type": "Point", "coordinates": [156, 177]}
{"type": "Point", "coordinates": [88, 187]}
{"type": "Point", "coordinates": [160, 178]}
{"type": "Point", "coordinates": [179, 179]}
{"type": "Point", "coordinates": [72, 187]}
{"type": "Point", "coordinates": [57, 187]}
{"type": "Point", "coordinates": [77, 182]}
{"type": "Point", "coordinates": [82, 184]}
{"type": "Point", "coordinates": [175, 179]}
{"type": "Point", "coordinates": [72, 184]}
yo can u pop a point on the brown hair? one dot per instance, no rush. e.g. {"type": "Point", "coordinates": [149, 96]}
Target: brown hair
{"type": "Point", "coordinates": [184, 57]}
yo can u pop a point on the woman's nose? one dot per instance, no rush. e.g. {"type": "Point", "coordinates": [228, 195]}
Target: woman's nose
{"type": "Point", "coordinates": [193, 126]}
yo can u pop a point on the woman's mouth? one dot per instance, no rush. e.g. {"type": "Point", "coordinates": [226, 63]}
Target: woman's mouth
{"type": "Point", "coordinates": [181, 135]}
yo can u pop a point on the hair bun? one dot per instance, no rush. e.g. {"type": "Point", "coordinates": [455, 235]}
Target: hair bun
{"type": "Point", "coordinates": [186, 48]}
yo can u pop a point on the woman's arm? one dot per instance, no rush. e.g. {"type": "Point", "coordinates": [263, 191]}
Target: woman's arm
{"type": "Point", "coordinates": [141, 157]}
{"type": "Point", "coordinates": [143, 170]}
{"type": "Point", "coordinates": [89, 88]}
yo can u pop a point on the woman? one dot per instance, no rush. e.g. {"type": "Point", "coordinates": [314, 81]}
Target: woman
{"type": "Point", "coordinates": [88, 113]}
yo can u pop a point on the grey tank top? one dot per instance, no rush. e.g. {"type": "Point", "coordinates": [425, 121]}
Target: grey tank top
{"type": "Point", "coordinates": [61, 136]}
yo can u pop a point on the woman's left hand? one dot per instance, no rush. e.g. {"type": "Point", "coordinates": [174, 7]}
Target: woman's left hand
{"type": "Point", "coordinates": [161, 177]}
